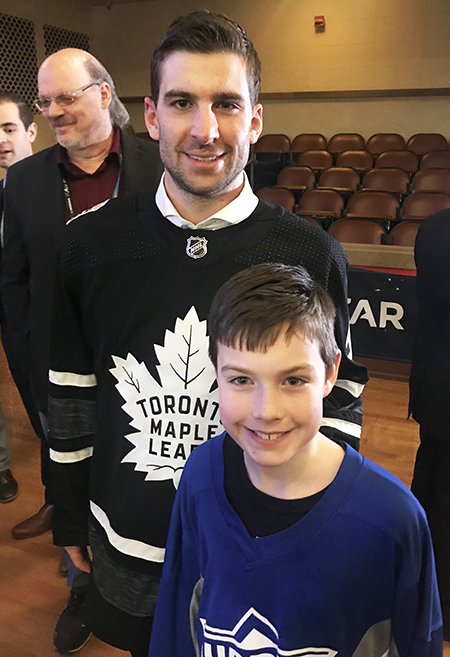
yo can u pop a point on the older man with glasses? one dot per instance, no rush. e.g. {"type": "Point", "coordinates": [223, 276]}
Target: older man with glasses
{"type": "Point", "coordinates": [96, 158]}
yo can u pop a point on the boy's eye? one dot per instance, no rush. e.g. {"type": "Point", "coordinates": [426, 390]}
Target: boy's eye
{"type": "Point", "coordinates": [294, 381]}
{"type": "Point", "coordinates": [240, 380]}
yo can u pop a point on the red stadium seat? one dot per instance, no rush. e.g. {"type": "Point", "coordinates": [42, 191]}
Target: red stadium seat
{"type": "Point", "coordinates": [404, 234]}
{"type": "Point", "coordinates": [318, 160]}
{"type": "Point", "coordinates": [395, 181]}
{"type": "Point", "coordinates": [344, 180]}
{"type": "Point", "coordinates": [435, 160]}
{"type": "Point", "coordinates": [385, 141]}
{"type": "Point", "coordinates": [406, 160]}
{"type": "Point", "coordinates": [321, 203]}
{"type": "Point", "coordinates": [299, 179]}
{"type": "Point", "coordinates": [308, 142]}
{"type": "Point", "coordinates": [432, 180]}
{"type": "Point", "coordinates": [357, 231]}
{"type": "Point", "coordinates": [278, 196]}
{"type": "Point", "coordinates": [419, 205]}
{"type": "Point", "coordinates": [360, 160]}
{"type": "Point", "coordinates": [424, 142]}
{"type": "Point", "coordinates": [343, 141]}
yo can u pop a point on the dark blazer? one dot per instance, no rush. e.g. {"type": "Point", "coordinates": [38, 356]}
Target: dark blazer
{"type": "Point", "coordinates": [34, 224]}
{"type": "Point", "coordinates": [430, 372]}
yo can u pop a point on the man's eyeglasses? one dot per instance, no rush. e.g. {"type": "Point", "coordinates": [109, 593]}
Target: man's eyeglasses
{"type": "Point", "coordinates": [63, 99]}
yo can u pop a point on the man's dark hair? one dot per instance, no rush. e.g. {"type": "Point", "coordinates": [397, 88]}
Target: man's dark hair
{"type": "Point", "coordinates": [257, 305]}
{"type": "Point", "coordinates": [25, 113]}
{"type": "Point", "coordinates": [203, 32]}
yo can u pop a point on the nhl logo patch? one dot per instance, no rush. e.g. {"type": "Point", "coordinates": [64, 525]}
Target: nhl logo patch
{"type": "Point", "coordinates": [197, 247]}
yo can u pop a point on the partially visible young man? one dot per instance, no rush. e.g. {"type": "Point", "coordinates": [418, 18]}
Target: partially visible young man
{"type": "Point", "coordinates": [17, 134]}
{"type": "Point", "coordinates": [283, 542]}
{"type": "Point", "coordinates": [130, 366]}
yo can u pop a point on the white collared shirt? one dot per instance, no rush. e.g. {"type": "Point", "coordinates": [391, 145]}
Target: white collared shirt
{"type": "Point", "coordinates": [233, 213]}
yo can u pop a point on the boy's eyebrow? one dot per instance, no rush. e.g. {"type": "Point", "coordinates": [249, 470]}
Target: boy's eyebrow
{"type": "Point", "coordinates": [302, 367]}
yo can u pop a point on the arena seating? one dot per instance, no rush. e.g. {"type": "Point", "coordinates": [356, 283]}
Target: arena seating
{"type": "Point", "coordinates": [392, 185]}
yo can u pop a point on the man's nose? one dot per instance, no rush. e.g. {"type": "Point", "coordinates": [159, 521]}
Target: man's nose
{"type": "Point", "coordinates": [204, 125]}
{"type": "Point", "coordinates": [54, 110]}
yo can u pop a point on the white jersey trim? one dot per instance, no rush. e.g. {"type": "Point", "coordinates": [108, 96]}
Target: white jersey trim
{"type": "Point", "coordinates": [355, 389]}
{"type": "Point", "coordinates": [71, 457]}
{"type": "Point", "coordinates": [72, 379]}
{"type": "Point", "coordinates": [342, 425]}
{"type": "Point", "coordinates": [129, 546]}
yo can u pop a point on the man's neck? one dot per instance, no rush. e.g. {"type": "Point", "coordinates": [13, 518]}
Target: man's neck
{"type": "Point", "coordinates": [195, 208]}
{"type": "Point", "coordinates": [91, 157]}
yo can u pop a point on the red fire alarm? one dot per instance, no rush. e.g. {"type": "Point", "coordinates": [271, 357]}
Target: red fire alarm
{"type": "Point", "coordinates": [319, 22]}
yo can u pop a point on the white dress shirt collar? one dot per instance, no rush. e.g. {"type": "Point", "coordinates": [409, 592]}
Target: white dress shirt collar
{"type": "Point", "coordinates": [233, 213]}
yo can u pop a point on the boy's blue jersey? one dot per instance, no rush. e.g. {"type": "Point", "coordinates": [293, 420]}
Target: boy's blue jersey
{"type": "Point", "coordinates": [353, 578]}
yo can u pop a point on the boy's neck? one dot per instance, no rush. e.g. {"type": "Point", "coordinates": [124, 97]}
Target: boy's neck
{"type": "Point", "coordinates": [307, 473]}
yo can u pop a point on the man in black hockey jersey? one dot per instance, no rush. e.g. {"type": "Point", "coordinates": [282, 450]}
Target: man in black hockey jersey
{"type": "Point", "coordinates": [130, 373]}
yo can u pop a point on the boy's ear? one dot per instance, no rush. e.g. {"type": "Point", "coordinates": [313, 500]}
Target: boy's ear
{"type": "Point", "coordinates": [332, 374]}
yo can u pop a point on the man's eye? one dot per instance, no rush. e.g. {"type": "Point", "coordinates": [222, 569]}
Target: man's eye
{"type": "Point", "coordinates": [181, 103]}
{"type": "Point", "coordinates": [9, 130]}
{"type": "Point", "coordinates": [226, 105]}
{"type": "Point", "coordinates": [64, 99]}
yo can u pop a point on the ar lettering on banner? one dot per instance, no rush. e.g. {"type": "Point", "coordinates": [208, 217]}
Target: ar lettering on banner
{"type": "Point", "coordinates": [390, 311]}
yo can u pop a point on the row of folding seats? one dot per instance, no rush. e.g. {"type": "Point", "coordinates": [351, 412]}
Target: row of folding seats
{"type": "Point", "coordinates": [327, 205]}
{"type": "Point", "coordinates": [419, 143]}
{"type": "Point", "coordinates": [346, 180]}
{"type": "Point", "coordinates": [273, 152]}
{"type": "Point", "coordinates": [366, 231]}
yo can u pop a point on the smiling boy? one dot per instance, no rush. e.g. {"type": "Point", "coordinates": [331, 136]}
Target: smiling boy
{"type": "Point", "coordinates": [282, 541]}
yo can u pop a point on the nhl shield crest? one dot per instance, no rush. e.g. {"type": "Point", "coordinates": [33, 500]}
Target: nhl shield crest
{"type": "Point", "coordinates": [197, 247]}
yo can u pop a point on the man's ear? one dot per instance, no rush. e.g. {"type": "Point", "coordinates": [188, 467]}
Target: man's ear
{"type": "Point", "coordinates": [106, 94]}
{"type": "Point", "coordinates": [32, 132]}
{"type": "Point", "coordinates": [257, 123]}
{"type": "Point", "coordinates": [332, 375]}
{"type": "Point", "coordinates": [151, 120]}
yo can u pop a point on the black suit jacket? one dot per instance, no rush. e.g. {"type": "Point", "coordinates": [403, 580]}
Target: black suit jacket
{"type": "Point", "coordinates": [430, 372]}
{"type": "Point", "coordinates": [34, 224]}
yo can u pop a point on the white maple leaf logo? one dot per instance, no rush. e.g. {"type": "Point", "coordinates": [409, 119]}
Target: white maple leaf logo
{"type": "Point", "coordinates": [175, 416]}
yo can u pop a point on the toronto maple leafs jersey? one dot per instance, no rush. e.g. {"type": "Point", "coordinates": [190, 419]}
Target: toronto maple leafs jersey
{"type": "Point", "coordinates": [132, 389]}
{"type": "Point", "coordinates": [353, 578]}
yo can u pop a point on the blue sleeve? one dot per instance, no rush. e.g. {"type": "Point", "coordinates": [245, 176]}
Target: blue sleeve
{"type": "Point", "coordinates": [417, 619]}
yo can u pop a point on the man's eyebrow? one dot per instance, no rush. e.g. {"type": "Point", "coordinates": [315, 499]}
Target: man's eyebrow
{"type": "Point", "coordinates": [216, 98]}
{"type": "Point", "coordinates": [178, 93]}
{"type": "Point", "coordinates": [9, 124]}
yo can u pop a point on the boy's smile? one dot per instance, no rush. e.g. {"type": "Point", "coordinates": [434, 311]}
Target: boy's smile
{"type": "Point", "coordinates": [271, 405]}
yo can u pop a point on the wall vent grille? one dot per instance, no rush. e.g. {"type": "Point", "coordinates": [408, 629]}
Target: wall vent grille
{"type": "Point", "coordinates": [18, 72]}
{"type": "Point", "coordinates": [57, 38]}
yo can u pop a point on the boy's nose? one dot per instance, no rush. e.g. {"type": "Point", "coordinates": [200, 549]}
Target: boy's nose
{"type": "Point", "coordinates": [266, 405]}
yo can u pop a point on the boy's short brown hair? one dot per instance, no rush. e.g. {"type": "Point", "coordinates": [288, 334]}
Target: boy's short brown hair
{"type": "Point", "coordinates": [256, 305]}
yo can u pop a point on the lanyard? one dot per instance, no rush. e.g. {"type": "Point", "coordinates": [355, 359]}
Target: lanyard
{"type": "Point", "coordinates": [68, 196]}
